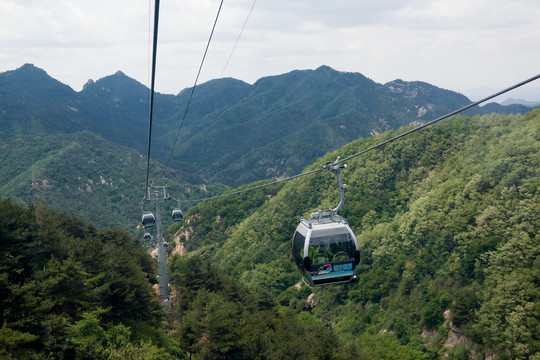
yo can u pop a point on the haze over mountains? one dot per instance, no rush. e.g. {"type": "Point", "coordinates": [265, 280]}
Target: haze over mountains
{"type": "Point", "coordinates": [234, 132]}
{"type": "Point", "coordinates": [511, 101]}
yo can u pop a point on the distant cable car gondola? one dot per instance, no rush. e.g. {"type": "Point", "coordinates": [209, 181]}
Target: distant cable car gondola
{"type": "Point", "coordinates": [148, 220]}
{"type": "Point", "coordinates": [324, 248]}
{"type": "Point", "coordinates": [177, 215]}
{"type": "Point", "coordinates": [147, 236]}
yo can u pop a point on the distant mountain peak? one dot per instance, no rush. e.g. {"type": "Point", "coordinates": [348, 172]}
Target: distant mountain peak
{"type": "Point", "coordinates": [325, 68]}
{"type": "Point", "coordinates": [89, 83]}
{"type": "Point", "coordinates": [512, 101]}
{"type": "Point", "coordinates": [31, 69]}
{"type": "Point", "coordinates": [29, 79]}
{"type": "Point", "coordinates": [119, 84]}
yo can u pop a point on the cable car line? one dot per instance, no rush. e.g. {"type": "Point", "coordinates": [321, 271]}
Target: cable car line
{"type": "Point", "coordinates": [325, 248]}
{"type": "Point", "coordinates": [153, 77]}
{"type": "Point", "coordinates": [238, 38]}
{"type": "Point", "coordinates": [195, 84]}
{"type": "Point", "coordinates": [256, 187]}
{"type": "Point", "coordinates": [339, 161]}
{"type": "Point", "coordinates": [148, 220]}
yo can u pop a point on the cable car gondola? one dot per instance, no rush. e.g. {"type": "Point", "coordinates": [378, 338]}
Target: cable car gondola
{"type": "Point", "coordinates": [147, 236]}
{"type": "Point", "coordinates": [325, 251]}
{"type": "Point", "coordinates": [148, 220]}
{"type": "Point", "coordinates": [324, 248]}
{"type": "Point", "coordinates": [177, 215]}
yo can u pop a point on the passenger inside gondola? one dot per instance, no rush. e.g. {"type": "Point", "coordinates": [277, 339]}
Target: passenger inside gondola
{"type": "Point", "coordinates": [319, 254]}
{"type": "Point", "coordinates": [333, 250]}
{"type": "Point", "coordinates": [339, 254]}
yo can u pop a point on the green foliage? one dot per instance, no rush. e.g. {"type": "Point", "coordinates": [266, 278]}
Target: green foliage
{"type": "Point", "coordinates": [387, 347]}
{"type": "Point", "coordinates": [85, 175]}
{"type": "Point", "coordinates": [432, 311]}
{"type": "Point", "coordinates": [459, 352]}
{"type": "Point", "coordinates": [15, 343]}
{"type": "Point", "coordinates": [464, 305]}
{"type": "Point", "coordinates": [70, 289]}
{"type": "Point", "coordinates": [446, 219]}
{"type": "Point", "coordinates": [220, 319]}
{"type": "Point", "coordinates": [92, 340]}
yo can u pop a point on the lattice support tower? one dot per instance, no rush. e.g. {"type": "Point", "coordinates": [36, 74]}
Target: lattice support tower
{"type": "Point", "coordinates": [159, 194]}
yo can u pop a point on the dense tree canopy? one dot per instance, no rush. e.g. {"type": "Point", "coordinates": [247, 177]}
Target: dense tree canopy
{"type": "Point", "coordinates": [72, 290]}
{"type": "Point", "coordinates": [447, 223]}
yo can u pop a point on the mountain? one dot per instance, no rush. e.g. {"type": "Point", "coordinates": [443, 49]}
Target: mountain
{"type": "Point", "coordinates": [83, 174]}
{"type": "Point", "coordinates": [290, 120]}
{"type": "Point", "coordinates": [34, 103]}
{"type": "Point", "coordinates": [446, 220]}
{"type": "Point", "coordinates": [234, 133]}
{"type": "Point", "coordinates": [511, 101]}
{"type": "Point", "coordinates": [447, 224]}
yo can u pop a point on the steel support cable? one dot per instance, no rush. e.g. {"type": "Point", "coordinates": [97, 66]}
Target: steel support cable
{"type": "Point", "coordinates": [256, 187]}
{"type": "Point", "coordinates": [195, 84]}
{"type": "Point", "coordinates": [153, 77]}
{"type": "Point", "coordinates": [329, 165]}
{"type": "Point", "coordinates": [238, 39]}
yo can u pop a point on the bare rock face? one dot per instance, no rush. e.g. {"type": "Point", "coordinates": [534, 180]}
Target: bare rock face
{"type": "Point", "coordinates": [185, 232]}
{"type": "Point", "coordinates": [310, 302]}
{"type": "Point", "coordinates": [179, 249]}
{"type": "Point", "coordinates": [456, 337]}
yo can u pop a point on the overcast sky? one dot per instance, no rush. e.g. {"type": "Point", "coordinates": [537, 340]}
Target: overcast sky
{"type": "Point", "coordinates": [475, 47]}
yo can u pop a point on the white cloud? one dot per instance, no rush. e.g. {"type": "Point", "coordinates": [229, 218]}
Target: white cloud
{"type": "Point", "coordinates": [460, 45]}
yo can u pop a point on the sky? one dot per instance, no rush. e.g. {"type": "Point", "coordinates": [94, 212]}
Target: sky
{"type": "Point", "coordinates": [475, 47]}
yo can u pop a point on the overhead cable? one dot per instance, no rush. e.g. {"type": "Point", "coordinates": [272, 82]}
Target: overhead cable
{"type": "Point", "coordinates": [195, 84]}
{"type": "Point", "coordinates": [153, 77]}
{"type": "Point", "coordinates": [238, 39]}
{"type": "Point", "coordinates": [256, 187]}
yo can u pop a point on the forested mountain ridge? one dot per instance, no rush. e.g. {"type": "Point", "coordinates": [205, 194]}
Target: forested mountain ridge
{"type": "Point", "coordinates": [85, 175]}
{"type": "Point", "coordinates": [291, 119]}
{"type": "Point", "coordinates": [234, 132]}
{"type": "Point", "coordinates": [447, 222]}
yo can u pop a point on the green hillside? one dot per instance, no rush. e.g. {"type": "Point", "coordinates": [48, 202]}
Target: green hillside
{"type": "Point", "coordinates": [447, 221]}
{"type": "Point", "coordinates": [234, 132]}
{"type": "Point", "coordinates": [288, 121]}
{"type": "Point", "coordinates": [84, 175]}
{"type": "Point", "coordinates": [69, 290]}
